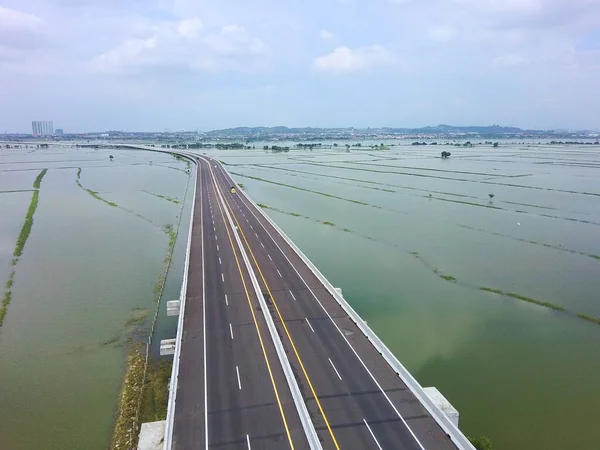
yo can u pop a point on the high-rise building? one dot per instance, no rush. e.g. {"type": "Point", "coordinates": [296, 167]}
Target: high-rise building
{"type": "Point", "coordinates": [42, 128]}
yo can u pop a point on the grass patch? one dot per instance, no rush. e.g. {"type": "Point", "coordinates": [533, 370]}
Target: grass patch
{"type": "Point", "coordinates": [164, 197]}
{"type": "Point", "coordinates": [524, 298]}
{"type": "Point", "coordinates": [156, 392]}
{"type": "Point", "coordinates": [331, 224]}
{"type": "Point", "coordinates": [536, 302]}
{"type": "Point", "coordinates": [97, 197]}
{"type": "Point", "coordinates": [589, 318]}
{"type": "Point", "coordinates": [38, 179]}
{"type": "Point", "coordinates": [296, 215]}
{"type": "Point", "coordinates": [5, 302]}
{"type": "Point", "coordinates": [124, 437]}
{"type": "Point", "coordinates": [495, 291]}
{"type": "Point", "coordinates": [481, 443]}
{"type": "Point", "coordinates": [448, 277]}
{"type": "Point", "coordinates": [26, 229]}
{"type": "Point", "coordinates": [137, 320]}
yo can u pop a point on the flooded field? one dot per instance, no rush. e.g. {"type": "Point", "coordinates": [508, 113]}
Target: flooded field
{"type": "Point", "coordinates": [480, 271]}
{"type": "Point", "coordinates": [473, 269]}
{"type": "Point", "coordinates": [83, 286]}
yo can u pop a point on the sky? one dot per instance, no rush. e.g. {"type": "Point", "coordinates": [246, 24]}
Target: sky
{"type": "Point", "coordinates": [155, 65]}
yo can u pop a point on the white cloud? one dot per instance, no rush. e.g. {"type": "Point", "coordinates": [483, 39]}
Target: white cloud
{"type": "Point", "coordinates": [510, 60]}
{"type": "Point", "coordinates": [185, 45]}
{"type": "Point", "coordinates": [442, 33]}
{"type": "Point", "coordinates": [11, 19]}
{"type": "Point", "coordinates": [343, 59]}
{"type": "Point", "coordinates": [502, 6]}
{"type": "Point", "coordinates": [326, 35]}
{"type": "Point", "coordinates": [190, 28]}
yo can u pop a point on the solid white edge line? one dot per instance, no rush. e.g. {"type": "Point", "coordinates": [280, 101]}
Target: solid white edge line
{"type": "Point", "coordinates": [237, 370]}
{"type": "Point", "coordinates": [231, 331]}
{"type": "Point", "coordinates": [342, 334]}
{"type": "Point", "coordinates": [313, 330]}
{"type": "Point", "coordinates": [292, 294]}
{"type": "Point", "coordinates": [177, 357]}
{"type": "Point", "coordinates": [204, 329]}
{"type": "Point", "coordinates": [336, 371]}
{"type": "Point", "coordinates": [372, 434]}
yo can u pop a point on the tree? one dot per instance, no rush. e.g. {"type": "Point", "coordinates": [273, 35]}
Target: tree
{"type": "Point", "coordinates": [266, 147]}
{"type": "Point", "coordinates": [110, 157]}
{"type": "Point", "coordinates": [445, 154]}
{"type": "Point", "coordinates": [495, 145]}
{"type": "Point", "coordinates": [335, 144]}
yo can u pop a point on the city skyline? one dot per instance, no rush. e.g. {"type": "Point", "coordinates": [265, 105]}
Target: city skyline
{"type": "Point", "coordinates": [42, 128]}
{"type": "Point", "coordinates": [180, 65]}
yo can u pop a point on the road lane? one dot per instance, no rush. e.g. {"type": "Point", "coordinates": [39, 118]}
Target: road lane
{"type": "Point", "coordinates": [395, 418]}
{"type": "Point", "coordinates": [248, 399]}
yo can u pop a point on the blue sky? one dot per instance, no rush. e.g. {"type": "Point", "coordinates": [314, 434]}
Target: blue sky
{"type": "Point", "coordinates": [198, 65]}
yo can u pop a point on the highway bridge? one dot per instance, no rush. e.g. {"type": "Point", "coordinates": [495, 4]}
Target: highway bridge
{"type": "Point", "coordinates": [269, 355]}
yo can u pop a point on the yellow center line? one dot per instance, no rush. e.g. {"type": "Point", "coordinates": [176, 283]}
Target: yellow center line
{"type": "Point", "coordinates": [284, 327]}
{"type": "Point", "coordinates": [262, 345]}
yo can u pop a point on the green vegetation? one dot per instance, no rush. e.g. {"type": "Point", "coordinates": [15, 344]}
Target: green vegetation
{"type": "Point", "coordinates": [589, 318]}
{"type": "Point", "coordinates": [524, 298]}
{"type": "Point", "coordinates": [93, 193]}
{"type": "Point", "coordinates": [448, 277]}
{"type": "Point", "coordinates": [156, 392]}
{"type": "Point", "coordinates": [38, 179]}
{"type": "Point", "coordinates": [9, 282]}
{"type": "Point", "coordinates": [164, 197]}
{"type": "Point", "coordinates": [97, 197]}
{"type": "Point", "coordinates": [495, 291]}
{"type": "Point", "coordinates": [536, 302]}
{"type": "Point", "coordinates": [124, 437]}
{"type": "Point", "coordinates": [481, 443]}
{"type": "Point", "coordinates": [4, 305]}
{"type": "Point", "coordinates": [331, 224]}
{"type": "Point", "coordinates": [26, 229]}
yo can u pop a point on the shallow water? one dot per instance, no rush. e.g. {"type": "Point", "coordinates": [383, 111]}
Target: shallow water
{"type": "Point", "coordinates": [524, 375]}
{"type": "Point", "coordinates": [86, 269]}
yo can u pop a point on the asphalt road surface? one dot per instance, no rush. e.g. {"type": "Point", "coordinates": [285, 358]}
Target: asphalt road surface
{"type": "Point", "coordinates": [231, 391]}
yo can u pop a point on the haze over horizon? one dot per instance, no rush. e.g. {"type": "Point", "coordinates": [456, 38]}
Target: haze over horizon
{"type": "Point", "coordinates": [184, 64]}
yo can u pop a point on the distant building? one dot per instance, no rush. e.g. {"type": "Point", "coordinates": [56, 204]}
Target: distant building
{"type": "Point", "coordinates": [42, 128]}
{"type": "Point", "coordinates": [59, 132]}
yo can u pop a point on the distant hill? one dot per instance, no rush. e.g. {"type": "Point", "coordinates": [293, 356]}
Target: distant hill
{"type": "Point", "coordinates": [256, 132]}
